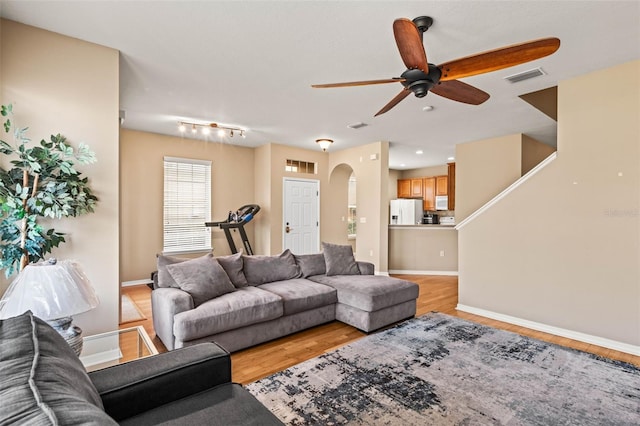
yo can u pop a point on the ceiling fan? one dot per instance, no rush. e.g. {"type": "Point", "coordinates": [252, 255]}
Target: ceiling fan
{"type": "Point", "coordinates": [422, 77]}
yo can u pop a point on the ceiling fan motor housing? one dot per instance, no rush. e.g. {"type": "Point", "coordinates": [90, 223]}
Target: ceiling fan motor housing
{"type": "Point", "coordinates": [419, 82]}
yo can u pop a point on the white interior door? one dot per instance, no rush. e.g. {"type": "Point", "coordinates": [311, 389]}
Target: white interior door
{"type": "Point", "coordinates": [301, 205]}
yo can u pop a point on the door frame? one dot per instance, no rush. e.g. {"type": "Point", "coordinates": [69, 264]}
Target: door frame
{"type": "Point", "coordinates": [284, 206]}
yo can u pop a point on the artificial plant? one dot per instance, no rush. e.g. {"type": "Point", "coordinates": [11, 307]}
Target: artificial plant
{"type": "Point", "coordinates": [40, 183]}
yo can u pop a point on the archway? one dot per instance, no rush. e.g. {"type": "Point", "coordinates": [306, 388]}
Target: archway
{"type": "Point", "coordinates": [341, 228]}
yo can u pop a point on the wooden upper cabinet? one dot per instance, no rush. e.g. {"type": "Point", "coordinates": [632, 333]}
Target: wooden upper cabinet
{"type": "Point", "coordinates": [452, 186]}
{"type": "Point", "coordinates": [416, 188]}
{"type": "Point", "coordinates": [429, 193]}
{"type": "Point", "coordinates": [442, 185]}
{"type": "Point", "coordinates": [404, 188]}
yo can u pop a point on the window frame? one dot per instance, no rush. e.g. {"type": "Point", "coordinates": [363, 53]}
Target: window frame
{"type": "Point", "coordinates": [185, 228]}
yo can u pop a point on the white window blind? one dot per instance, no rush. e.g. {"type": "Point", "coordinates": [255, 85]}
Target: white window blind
{"type": "Point", "coordinates": [187, 205]}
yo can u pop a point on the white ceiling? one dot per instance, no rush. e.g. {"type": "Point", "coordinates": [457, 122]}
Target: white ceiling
{"type": "Point", "coordinates": [251, 64]}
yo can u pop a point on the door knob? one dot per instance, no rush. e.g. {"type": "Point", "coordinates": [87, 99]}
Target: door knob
{"type": "Point", "coordinates": [287, 229]}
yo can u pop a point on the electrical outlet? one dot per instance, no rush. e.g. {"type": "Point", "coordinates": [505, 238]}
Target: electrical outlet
{"type": "Point", "coordinates": [441, 253]}
{"type": "Point", "coordinates": [371, 253]}
{"type": "Point", "coordinates": [343, 218]}
{"type": "Point", "coordinates": [363, 220]}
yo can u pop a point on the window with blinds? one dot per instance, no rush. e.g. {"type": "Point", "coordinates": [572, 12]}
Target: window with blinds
{"type": "Point", "coordinates": [187, 205]}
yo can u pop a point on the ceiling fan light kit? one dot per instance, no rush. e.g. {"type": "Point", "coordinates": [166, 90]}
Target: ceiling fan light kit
{"type": "Point", "coordinates": [206, 129]}
{"type": "Point", "coordinates": [422, 77]}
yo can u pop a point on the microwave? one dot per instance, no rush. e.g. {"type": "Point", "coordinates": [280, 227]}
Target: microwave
{"type": "Point", "coordinates": [442, 202]}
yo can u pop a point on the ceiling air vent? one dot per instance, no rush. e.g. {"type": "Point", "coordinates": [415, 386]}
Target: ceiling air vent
{"type": "Point", "coordinates": [525, 75]}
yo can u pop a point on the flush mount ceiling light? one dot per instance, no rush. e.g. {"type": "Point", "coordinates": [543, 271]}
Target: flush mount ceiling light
{"type": "Point", "coordinates": [324, 143]}
{"type": "Point", "coordinates": [206, 129]}
{"type": "Point", "coordinates": [419, 152]}
{"type": "Point", "coordinates": [427, 108]}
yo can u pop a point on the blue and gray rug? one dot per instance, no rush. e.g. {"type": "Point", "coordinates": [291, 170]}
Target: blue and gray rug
{"type": "Point", "coordinates": [442, 370]}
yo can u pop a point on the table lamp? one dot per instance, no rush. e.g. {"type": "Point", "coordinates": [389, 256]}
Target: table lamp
{"type": "Point", "coordinates": [54, 292]}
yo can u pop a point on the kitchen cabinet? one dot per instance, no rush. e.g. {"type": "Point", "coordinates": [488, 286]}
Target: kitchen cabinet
{"type": "Point", "coordinates": [428, 188]}
{"type": "Point", "coordinates": [416, 188]}
{"type": "Point", "coordinates": [452, 185]}
{"type": "Point", "coordinates": [442, 185]}
{"type": "Point", "coordinates": [429, 193]}
{"type": "Point", "coordinates": [410, 188]}
{"type": "Point", "coordinates": [404, 188]}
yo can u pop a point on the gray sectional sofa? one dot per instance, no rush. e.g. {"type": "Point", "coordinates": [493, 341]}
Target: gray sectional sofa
{"type": "Point", "coordinates": [239, 301]}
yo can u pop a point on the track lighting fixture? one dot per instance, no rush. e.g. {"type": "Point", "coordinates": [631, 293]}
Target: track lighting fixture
{"type": "Point", "coordinates": [206, 128]}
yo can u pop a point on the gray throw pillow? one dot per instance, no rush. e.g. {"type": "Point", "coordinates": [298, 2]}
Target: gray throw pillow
{"type": "Point", "coordinates": [164, 277]}
{"type": "Point", "coordinates": [232, 265]}
{"type": "Point", "coordinates": [339, 260]}
{"type": "Point", "coordinates": [267, 269]}
{"type": "Point", "coordinates": [311, 264]}
{"type": "Point", "coordinates": [203, 278]}
{"type": "Point", "coordinates": [43, 381]}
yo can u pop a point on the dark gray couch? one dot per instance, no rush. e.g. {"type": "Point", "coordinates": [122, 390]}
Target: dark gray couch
{"type": "Point", "coordinates": [42, 382]}
{"type": "Point", "coordinates": [249, 300]}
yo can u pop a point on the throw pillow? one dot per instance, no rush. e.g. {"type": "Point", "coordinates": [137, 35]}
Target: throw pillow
{"type": "Point", "coordinates": [311, 264]}
{"type": "Point", "coordinates": [43, 381]}
{"type": "Point", "coordinates": [339, 260]}
{"type": "Point", "coordinates": [203, 278]}
{"type": "Point", "coordinates": [164, 277]}
{"type": "Point", "coordinates": [233, 265]}
{"type": "Point", "coordinates": [267, 269]}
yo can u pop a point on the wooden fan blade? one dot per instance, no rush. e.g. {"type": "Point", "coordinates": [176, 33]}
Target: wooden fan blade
{"type": "Point", "coordinates": [395, 101]}
{"type": "Point", "coordinates": [410, 44]}
{"type": "Point", "coordinates": [497, 59]}
{"type": "Point", "coordinates": [458, 91]}
{"type": "Point", "coordinates": [358, 83]}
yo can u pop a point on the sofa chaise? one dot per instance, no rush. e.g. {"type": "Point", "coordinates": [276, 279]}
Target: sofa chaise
{"type": "Point", "coordinates": [239, 301]}
{"type": "Point", "coordinates": [43, 382]}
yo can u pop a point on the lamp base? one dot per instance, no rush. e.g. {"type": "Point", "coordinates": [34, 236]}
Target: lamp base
{"type": "Point", "coordinates": [71, 333]}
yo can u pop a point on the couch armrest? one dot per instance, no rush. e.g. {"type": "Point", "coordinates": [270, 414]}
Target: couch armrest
{"type": "Point", "coordinates": [138, 386]}
{"type": "Point", "coordinates": [366, 268]}
{"type": "Point", "coordinates": [165, 304]}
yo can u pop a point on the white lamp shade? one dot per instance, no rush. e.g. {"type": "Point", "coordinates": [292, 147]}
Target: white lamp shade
{"type": "Point", "coordinates": [50, 291]}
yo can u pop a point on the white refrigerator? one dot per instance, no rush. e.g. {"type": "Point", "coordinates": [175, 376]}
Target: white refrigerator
{"type": "Point", "coordinates": [406, 212]}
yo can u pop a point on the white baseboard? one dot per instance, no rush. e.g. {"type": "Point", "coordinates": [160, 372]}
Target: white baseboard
{"type": "Point", "coordinates": [575, 335]}
{"type": "Point", "coordinates": [412, 272]}
{"type": "Point", "coordinates": [384, 273]}
{"type": "Point", "coordinates": [135, 282]}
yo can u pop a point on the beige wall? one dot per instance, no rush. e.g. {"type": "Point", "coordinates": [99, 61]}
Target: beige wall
{"type": "Point", "coordinates": [533, 152]}
{"type": "Point", "coordinates": [417, 249]}
{"type": "Point", "coordinates": [141, 192]}
{"type": "Point", "coordinates": [424, 172]}
{"type": "Point", "coordinates": [483, 169]}
{"type": "Point", "coordinates": [65, 85]}
{"type": "Point", "coordinates": [394, 175]}
{"type": "Point", "coordinates": [579, 272]}
{"type": "Point", "coordinates": [262, 196]}
{"type": "Point", "coordinates": [372, 199]}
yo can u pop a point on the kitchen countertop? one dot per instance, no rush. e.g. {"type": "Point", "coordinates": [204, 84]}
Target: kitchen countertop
{"type": "Point", "coordinates": [420, 226]}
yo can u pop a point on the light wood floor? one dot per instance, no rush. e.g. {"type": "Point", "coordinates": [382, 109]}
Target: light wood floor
{"type": "Point", "coordinates": [437, 293]}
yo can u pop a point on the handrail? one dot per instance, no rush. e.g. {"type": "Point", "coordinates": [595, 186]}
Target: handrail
{"type": "Point", "coordinates": [507, 190]}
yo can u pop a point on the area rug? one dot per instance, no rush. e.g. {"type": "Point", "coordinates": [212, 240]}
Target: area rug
{"type": "Point", "coordinates": [129, 311]}
{"type": "Point", "coordinates": [442, 370]}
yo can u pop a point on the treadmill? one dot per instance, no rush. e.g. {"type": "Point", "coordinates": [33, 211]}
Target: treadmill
{"type": "Point", "coordinates": [237, 220]}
